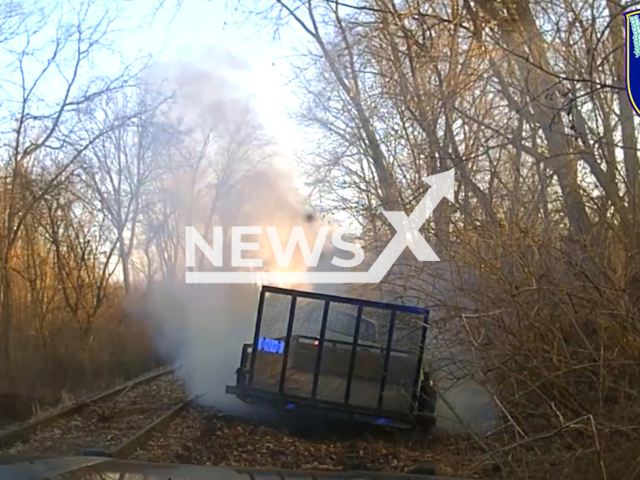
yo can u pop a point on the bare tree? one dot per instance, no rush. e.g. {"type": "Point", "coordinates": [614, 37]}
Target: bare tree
{"type": "Point", "coordinates": [83, 247]}
{"type": "Point", "coordinates": [48, 85]}
{"type": "Point", "coordinates": [209, 149]}
{"type": "Point", "coordinates": [120, 165]}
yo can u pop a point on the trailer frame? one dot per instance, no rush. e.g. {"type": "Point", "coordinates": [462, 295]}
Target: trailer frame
{"type": "Point", "coordinates": [246, 389]}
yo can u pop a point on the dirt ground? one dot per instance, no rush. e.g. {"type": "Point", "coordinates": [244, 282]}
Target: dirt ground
{"type": "Point", "coordinates": [201, 436]}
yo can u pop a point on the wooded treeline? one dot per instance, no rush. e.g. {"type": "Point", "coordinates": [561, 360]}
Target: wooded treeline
{"type": "Point", "coordinates": [104, 160]}
{"type": "Point", "coordinates": [526, 100]}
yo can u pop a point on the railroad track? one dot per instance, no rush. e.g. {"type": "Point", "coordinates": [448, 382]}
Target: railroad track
{"type": "Point", "coordinates": [112, 423]}
{"type": "Point", "coordinates": [152, 419]}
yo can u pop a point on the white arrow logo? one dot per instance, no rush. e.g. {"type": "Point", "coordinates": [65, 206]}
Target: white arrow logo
{"type": "Point", "coordinates": [408, 235]}
{"type": "Point", "coordinates": [442, 185]}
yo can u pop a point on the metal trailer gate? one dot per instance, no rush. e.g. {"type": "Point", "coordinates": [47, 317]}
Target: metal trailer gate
{"type": "Point", "coordinates": [352, 356]}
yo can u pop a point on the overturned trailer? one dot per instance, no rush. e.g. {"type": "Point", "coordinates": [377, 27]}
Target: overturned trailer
{"type": "Point", "coordinates": [344, 357]}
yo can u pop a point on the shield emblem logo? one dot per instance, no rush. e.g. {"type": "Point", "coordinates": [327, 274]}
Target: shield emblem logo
{"type": "Point", "coordinates": [632, 26]}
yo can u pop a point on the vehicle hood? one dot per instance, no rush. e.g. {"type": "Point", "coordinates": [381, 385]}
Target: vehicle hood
{"type": "Point", "coordinates": [102, 468]}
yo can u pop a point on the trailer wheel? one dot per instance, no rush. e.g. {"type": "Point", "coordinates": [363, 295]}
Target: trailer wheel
{"type": "Point", "coordinates": [426, 423]}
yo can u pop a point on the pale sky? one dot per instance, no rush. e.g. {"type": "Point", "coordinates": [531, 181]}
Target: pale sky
{"type": "Point", "coordinates": [174, 34]}
{"type": "Point", "coordinates": [208, 23]}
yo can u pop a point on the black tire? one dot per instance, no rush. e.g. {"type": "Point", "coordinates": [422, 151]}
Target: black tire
{"type": "Point", "coordinates": [425, 423]}
{"type": "Point", "coordinates": [427, 399]}
{"type": "Point", "coordinates": [426, 408]}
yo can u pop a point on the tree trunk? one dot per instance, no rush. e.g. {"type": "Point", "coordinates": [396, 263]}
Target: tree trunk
{"type": "Point", "coordinates": [124, 259]}
{"type": "Point", "coordinates": [7, 316]}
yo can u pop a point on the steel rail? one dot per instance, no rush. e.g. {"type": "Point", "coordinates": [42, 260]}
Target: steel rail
{"type": "Point", "coordinates": [132, 444]}
{"type": "Point", "coordinates": [23, 432]}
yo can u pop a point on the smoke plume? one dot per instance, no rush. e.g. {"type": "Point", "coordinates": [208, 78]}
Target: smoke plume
{"type": "Point", "coordinates": [220, 168]}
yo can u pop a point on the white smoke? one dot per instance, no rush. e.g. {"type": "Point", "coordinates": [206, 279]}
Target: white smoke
{"type": "Point", "coordinates": [202, 328]}
{"type": "Point", "coordinates": [220, 169]}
